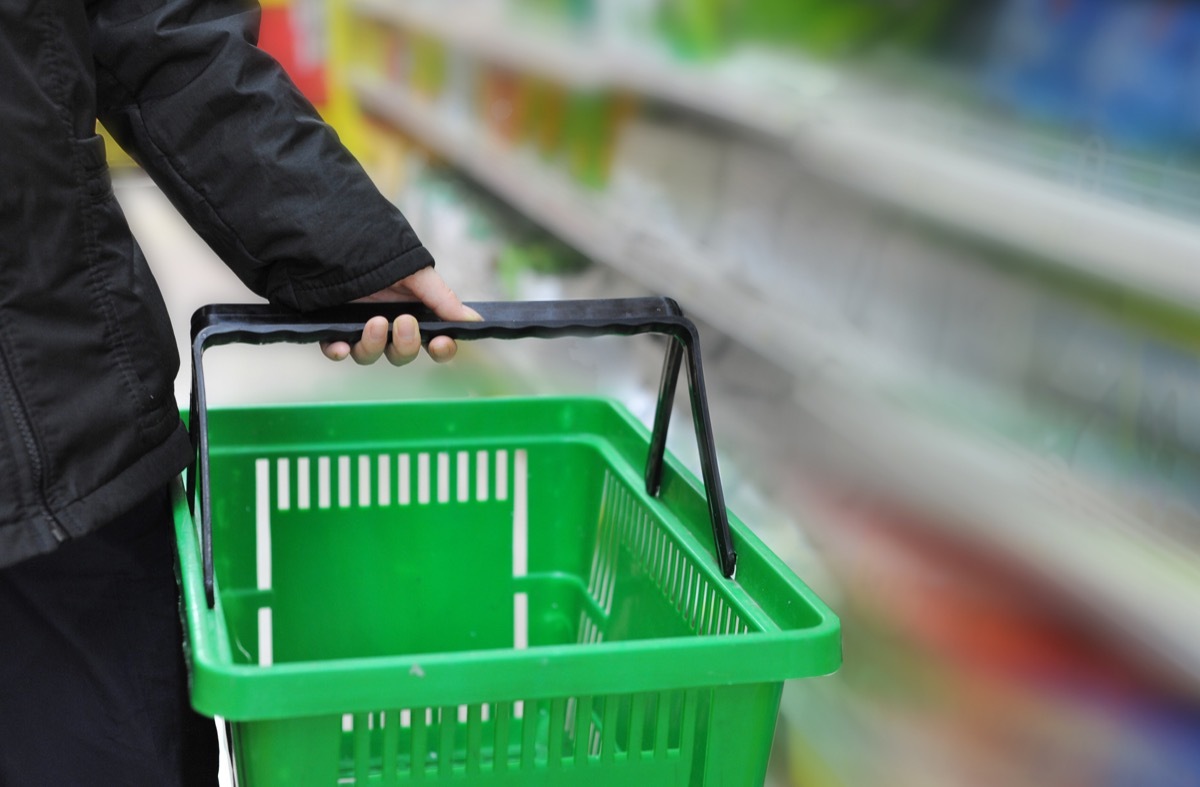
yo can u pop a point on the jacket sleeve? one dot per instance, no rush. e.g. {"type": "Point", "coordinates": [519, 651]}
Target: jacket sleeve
{"type": "Point", "coordinates": [242, 155]}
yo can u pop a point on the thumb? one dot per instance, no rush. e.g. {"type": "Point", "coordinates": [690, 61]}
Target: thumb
{"type": "Point", "coordinates": [431, 289]}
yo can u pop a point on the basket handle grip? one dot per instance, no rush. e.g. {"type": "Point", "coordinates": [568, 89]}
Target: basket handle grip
{"type": "Point", "coordinates": [266, 324]}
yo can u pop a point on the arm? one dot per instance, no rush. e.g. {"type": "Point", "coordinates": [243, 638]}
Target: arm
{"type": "Point", "coordinates": [242, 155]}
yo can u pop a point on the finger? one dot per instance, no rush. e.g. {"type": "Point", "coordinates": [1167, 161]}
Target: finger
{"type": "Point", "coordinates": [335, 351]}
{"type": "Point", "coordinates": [429, 287]}
{"type": "Point", "coordinates": [406, 341]}
{"type": "Point", "coordinates": [374, 338]}
{"type": "Point", "coordinates": [442, 348]}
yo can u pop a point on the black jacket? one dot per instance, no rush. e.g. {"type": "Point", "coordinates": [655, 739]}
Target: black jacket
{"type": "Point", "coordinates": [88, 420]}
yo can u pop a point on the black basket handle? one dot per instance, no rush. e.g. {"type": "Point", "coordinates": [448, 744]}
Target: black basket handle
{"type": "Point", "coordinates": [264, 324]}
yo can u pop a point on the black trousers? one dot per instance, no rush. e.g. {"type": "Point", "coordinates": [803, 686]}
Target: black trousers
{"type": "Point", "coordinates": [93, 690]}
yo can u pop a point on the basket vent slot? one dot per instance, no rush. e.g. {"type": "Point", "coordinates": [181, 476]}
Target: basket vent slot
{"type": "Point", "coordinates": [625, 522]}
{"type": "Point", "coordinates": [639, 732]}
{"type": "Point", "coordinates": [368, 480]}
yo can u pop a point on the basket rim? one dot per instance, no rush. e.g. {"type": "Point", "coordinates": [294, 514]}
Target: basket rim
{"type": "Point", "coordinates": [237, 692]}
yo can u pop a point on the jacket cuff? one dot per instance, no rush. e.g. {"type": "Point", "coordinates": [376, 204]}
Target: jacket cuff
{"type": "Point", "coordinates": [320, 295]}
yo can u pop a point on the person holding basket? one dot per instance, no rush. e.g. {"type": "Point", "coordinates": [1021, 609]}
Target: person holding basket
{"type": "Point", "coordinates": [93, 688]}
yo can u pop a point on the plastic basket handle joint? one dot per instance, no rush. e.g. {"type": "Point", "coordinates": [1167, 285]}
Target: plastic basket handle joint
{"type": "Point", "coordinates": [263, 324]}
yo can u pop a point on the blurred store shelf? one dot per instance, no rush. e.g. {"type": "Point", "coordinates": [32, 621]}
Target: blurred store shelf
{"type": "Point", "coordinates": [750, 92]}
{"type": "Point", "coordinates": [1010, 499]}
{"type": "Point", "coordinates": [1094, 234]}
{"type": "Point", "coordinates": [893, 145]}
{"type": "Point", "coordinates": [590, 221]}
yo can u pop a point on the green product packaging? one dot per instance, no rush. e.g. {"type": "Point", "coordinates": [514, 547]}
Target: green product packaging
{"type": "Point", "coordinates": [696, 28]}
{"type": "Point", "coordinates": [544, 117]}
{"type": "Point", "coordinates": [593, 121]}
{"type": "Point", "coordinates": [429, 66]}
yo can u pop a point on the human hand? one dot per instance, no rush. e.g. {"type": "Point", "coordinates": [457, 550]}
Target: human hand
{"type": "Point", "coordinates": [426, 286]}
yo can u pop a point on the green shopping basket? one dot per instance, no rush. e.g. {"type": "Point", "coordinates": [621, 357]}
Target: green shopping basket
{"type": "Point", "coordinates": [480, 592]}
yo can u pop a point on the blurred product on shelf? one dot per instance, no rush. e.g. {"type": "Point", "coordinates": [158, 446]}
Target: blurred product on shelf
{"type": "Point", "coordinates": [1034, 58]}
{"type": "Point", "coordinates": [545, 120]}
{"type": "Point", "coordinates": [574, 128]}
{"type": "Point", "coordinates": [427, 71]}
{"type": "Point", "coordinates": [1122, 70]}
{"type": "Point", "coordinates": [293, 33]}
{"type": "Point", "coordinates": [592, 125]}
{"type": "Point", "coordinates": [546, 257]}
{"type": "Point", "coordinates": [502, 104]}
{"type": "Point", "coordinates": [704, 29]}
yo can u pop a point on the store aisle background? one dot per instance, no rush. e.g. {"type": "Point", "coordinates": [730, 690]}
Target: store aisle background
{"type": "Point", "coordinates": [943, 257]}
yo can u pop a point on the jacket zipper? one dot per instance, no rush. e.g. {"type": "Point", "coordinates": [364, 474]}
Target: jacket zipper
{"type": "Point", "coordinates": [36, 467]}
